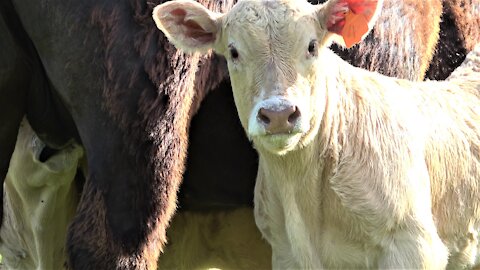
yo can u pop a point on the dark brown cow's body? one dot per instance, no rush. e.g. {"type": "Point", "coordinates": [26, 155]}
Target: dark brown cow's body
{"type": "Point", "coordinates": [129, 95]}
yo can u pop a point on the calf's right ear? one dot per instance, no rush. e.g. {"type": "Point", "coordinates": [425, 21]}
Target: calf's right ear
{"type": "Point", "coordinates": [188, 25]}
{"type": "Point", "coordinates": [351, 20]}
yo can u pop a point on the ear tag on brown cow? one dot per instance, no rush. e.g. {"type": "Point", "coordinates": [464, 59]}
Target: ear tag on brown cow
{"type": "Point", "coordinates": [355, 27]}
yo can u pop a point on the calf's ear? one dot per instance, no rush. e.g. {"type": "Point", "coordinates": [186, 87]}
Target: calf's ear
{"type": "Point", "coordinates": [351, 20]}
{"type": "Point", "coordinates": [188, 25]}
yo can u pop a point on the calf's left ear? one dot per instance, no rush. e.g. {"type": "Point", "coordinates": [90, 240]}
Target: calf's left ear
{"type": "Point", "coordinates": [187, 24]}
{"type": "Point", "coordinates": [349, 19]}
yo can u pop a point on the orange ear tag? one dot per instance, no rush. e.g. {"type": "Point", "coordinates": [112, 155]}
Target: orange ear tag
{"type": "Point", "coordinates": [355, 27]}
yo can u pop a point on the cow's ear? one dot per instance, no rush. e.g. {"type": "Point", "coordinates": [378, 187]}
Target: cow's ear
{"type": "Point", "coordinates": [351, 20]}
{"type": "Point", "coordinates": [187, 24]}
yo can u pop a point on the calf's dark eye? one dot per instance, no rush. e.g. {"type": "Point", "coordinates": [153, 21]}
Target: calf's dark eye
{"type": "Point", "coordinates": [233, 52]}
{"type": "Point", "coordinates": [312, 48]}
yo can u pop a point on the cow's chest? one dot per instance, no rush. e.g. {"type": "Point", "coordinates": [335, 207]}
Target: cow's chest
{"type": "Point", "coordinates": [308, 222]}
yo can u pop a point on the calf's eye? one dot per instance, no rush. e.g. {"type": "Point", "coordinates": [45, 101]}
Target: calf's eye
{"type": "Point", "coordinates": [233, 52]}
{"type": "Point", "coordinates": [312, 48]}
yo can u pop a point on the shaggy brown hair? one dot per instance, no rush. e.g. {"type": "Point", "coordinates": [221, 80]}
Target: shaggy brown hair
{"type": "Point", "coordinates": [155, 131]}
{"type": "Point", "coordinates": [460, 31]}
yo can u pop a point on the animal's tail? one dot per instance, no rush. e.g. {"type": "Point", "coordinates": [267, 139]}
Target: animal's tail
{"type": "Point", "coordinates": [470, 67]}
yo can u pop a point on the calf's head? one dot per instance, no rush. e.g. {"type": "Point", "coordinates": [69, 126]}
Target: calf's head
{"type": "Point", "coordinates": [274, 54]}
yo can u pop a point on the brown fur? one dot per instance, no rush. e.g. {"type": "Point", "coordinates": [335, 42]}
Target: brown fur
{"type": "Point", "coordinates": [467, 20]}
{"type": "Point", "coordinates": [158, 138]}
{"type": "Point", "coordinates": [98, 240]}
{"type": "Point", "coordinates": [459, 33]}
{"type": "Point", "coordinates": [388, 43]}
{"type": "Point", "coordinates": [445, 32]}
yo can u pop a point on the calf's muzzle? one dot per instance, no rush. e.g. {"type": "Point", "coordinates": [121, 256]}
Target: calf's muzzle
{"type": "Point", "coordinates": [279, 120]}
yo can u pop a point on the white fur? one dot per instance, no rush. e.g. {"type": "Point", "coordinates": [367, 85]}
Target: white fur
{"type": "Point", "coordinates": [40, 199]}
{"type": "Point", "coordinates": [215, 239]}
{"type": "Point", "coordinates": [358, 196]}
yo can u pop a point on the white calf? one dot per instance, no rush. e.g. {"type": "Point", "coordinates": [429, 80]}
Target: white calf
{"type": "Point", "coordinates": [215, 239]}
{"type": "Point", "coordinates": [40, 199]}
{"type": "Point", "coordinates": [357, 170]}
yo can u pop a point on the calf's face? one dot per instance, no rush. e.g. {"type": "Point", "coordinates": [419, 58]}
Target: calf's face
{"type": "Point", "coordinates": [272, 72]}
{"type": "Point", "coordinates": [273, 50]}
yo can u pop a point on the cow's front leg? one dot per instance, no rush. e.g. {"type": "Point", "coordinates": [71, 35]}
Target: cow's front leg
{"type": "Point", "coordinates": [269, 219]}
{"type": "Point", "coordinates": [414, 248]}
{"type": "Point", "coordinates": [282, 258]}
{"type": "Point", "coordinates": [414, 243]}
{"type": "Point", "coordinates": [126, 202]}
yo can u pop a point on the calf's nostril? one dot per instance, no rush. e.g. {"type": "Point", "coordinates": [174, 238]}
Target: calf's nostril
{"type": "Point", "coordinates": [292, 118]}
{"type": "Point", "coordinates": [262, 115]}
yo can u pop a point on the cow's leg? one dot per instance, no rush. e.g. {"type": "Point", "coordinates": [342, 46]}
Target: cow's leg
{"type": "Point", "coordinates": [13, 90]}
{"type": "Point", "coordinates": [414, 242]}
{"type": "Point", "coordinates": [422, 249]}
{"type": "Point", "coordinates": [276, 235]}
{"type": "Point", "coordinates": [126, 202]}
{"type": "Point", "coordinates": [109, 230]}
{"type": "Point", "coordinates": [464, 250]}
{"type": "Point", "coordinates": [270, 220]}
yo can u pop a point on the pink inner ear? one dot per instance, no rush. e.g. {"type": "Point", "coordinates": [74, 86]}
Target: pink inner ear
{"type": "Point", "coordinates": [192, 28]}
{"type": "Point", "coordinates": [178, 12]}
{"type": "Point", "coordinates": [195, 31]}
{"type": "Point", "coordinates": [336, 16]}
